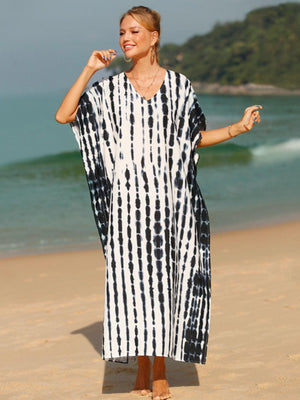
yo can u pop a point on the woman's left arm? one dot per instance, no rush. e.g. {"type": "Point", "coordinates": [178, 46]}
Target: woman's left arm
{"type": "Point", "coordinates": [249, 119]}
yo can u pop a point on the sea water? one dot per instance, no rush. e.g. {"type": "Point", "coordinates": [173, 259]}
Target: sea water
{"type": "Point", "coordinates": [251, 180]}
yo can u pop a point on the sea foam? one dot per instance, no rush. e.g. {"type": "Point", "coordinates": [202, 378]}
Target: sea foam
{"type": "Point", "coordinates": [289, 149]}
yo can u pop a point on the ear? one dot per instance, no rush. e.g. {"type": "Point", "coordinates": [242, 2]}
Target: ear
{"type": "Point", "coordinates": [154, 37]}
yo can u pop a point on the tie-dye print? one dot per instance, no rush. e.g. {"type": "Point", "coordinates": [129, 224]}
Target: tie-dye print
{"type": "Point", "coordinates": [140, 162]}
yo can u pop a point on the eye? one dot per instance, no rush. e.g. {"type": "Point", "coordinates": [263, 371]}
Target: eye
{"type": "Point", "coordinates": [121, 33]}
{"type": "Point", "coordinates": [135, 31]}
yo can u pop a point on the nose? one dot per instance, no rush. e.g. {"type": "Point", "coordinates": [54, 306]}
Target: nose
{"type": "Point", "coordinates": [125, 37]}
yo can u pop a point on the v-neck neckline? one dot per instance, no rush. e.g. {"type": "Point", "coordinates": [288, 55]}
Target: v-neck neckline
{"type": "Point", "coordinates": [142, 97]}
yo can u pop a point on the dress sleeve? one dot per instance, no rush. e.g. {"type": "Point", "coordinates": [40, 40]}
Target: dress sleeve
{"type": "Point", "coordinates": [86, 127]}
{"type": "Point", "coordinates": [89, 130]}
{"type": "Point", "coordinates": [76, 124]}
{"type": "Point", "coordinates": [196, 119]}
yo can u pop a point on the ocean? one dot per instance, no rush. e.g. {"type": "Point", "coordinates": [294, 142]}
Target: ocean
{"type": "Point", "coordinates": [249, 181]}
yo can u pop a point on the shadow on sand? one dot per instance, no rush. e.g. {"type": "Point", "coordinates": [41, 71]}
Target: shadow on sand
{"type": "Point", "coordinates": [120, 377]}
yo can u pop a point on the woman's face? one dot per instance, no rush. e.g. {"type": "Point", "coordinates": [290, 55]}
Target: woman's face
{"type": "Point", "coordinates": [135, 40]}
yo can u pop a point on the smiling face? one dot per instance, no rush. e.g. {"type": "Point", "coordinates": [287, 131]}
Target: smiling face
{"type": "Point", "coordinates": [135, 40]}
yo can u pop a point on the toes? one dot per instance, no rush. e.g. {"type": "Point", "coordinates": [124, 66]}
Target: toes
{"type": "Point", "coordinates": [163, 397]}
{"type": "Point", "coordinates": [135, 392]}
{"type": "Point", "coordinates": [141, 392]}
{"type": "Point", "coordinates": [145, 392]}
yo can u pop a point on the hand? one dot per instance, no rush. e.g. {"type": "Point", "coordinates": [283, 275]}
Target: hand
{"type": "Point", "coordinates": [250, 118]}
{"type": "Point", "coordinates": [100, 59]}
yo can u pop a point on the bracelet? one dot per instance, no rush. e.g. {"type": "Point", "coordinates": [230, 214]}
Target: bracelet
{"type": "Point", "coordinates": [229, 132]}
{"type": "Point", "coordinates": [233, 136]}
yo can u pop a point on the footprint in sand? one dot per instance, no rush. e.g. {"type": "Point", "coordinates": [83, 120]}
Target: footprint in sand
{"type": "Point", "coordinates": [294, 357]}
{"type": "Point", "coordinates": [265, 385]}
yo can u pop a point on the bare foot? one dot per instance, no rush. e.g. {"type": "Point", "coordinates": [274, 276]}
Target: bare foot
{"type": "Point", "coordinates": [161, 389]}
{"type": "Point", "coordinates": [160, 386]}
{"type": "Point", "coordinates": [142, 383]}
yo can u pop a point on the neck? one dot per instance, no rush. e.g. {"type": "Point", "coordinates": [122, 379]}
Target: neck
{"type": "Point", "coordinates": [143, 66]}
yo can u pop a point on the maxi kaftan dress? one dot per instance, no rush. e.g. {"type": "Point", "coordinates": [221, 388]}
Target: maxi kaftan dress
{"type": "Point", "coordinates": [140, 162]}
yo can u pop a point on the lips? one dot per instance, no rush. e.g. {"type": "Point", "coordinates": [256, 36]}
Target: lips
{"type": "Point", "coordinates": [128, 47]}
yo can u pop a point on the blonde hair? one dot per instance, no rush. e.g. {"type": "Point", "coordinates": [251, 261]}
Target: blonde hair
{"type": "Point", "coordinates": [149, 19]}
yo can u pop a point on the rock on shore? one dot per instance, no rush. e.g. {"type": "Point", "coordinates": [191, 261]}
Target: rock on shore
{"type": "Point", "coordinates": [245, 89]}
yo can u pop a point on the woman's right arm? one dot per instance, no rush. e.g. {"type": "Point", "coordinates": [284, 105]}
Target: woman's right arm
{"type": "Point", "coordinates": [68, 108]}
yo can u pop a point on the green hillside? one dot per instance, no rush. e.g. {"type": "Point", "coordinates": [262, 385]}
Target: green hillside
{"type": "Point", "coordinates": [263, 49]}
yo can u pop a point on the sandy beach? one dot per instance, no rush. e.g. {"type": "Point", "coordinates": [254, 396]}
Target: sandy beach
{"type": "Point", "coordinates": [51, 323]}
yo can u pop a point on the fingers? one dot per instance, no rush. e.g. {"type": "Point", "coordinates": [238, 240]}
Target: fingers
{"type": "Point", "coordinates": [255, 114]}
{"type": "Point", "coordinates": [255, 107]}
{"type": "Point", "coordinates": [256, 119]}
{"type": "Point", "coordinates": [104, 56]}
{"type": "Point", "coordinates": [251, 117]}
{"type": "Point", "coordinates": [100, 59]}
{"type": "Point", "coordinates": [254, 110]}
{"type": "Point", "coordinates": [107, 55]}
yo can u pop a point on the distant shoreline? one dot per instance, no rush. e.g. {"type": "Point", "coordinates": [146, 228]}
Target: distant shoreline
{"type": "Point", "coordinates": [245, 89]}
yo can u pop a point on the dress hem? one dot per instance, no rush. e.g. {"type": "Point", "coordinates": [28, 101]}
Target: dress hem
{"type": "Point", "coordinates": [132, 358]}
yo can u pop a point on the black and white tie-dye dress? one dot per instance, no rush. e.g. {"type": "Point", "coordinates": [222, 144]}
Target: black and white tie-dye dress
{"type": "Point", "coordinates": [140, 162]}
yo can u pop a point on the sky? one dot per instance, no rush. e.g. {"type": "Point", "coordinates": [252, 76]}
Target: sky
{"type": "Point", "coordinates": [47, 43]}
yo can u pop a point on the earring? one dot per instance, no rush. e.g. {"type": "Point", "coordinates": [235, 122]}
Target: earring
{"type": "Point", "coordinates": [127, 59]}
{"type": "Point", "coordinates": [153, 54]}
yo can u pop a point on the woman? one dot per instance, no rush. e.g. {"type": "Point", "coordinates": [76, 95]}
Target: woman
{"type": "Point", "coordinates": [138, 132]}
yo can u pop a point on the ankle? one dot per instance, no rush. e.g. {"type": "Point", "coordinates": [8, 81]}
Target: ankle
{"type": "Point", "coordinates": [159, 368]}
{"type": "Point", "coordinates": [144, 361]}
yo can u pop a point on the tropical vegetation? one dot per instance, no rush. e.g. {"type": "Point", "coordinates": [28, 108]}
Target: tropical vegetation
{"type": "Point", "coordinates": [262, 49]}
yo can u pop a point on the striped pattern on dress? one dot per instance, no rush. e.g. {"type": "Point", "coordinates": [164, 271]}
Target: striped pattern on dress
{"type": "Point", "coordinates": [140, 161]}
